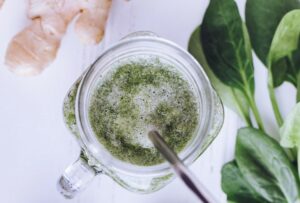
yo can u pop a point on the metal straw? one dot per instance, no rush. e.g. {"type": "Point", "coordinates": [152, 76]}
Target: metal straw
{"type": "Point", "coordinates": [180, 169]}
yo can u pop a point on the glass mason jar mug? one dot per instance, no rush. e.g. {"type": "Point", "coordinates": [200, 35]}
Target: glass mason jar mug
{"type": "Point", "coordinates": [95, 159]}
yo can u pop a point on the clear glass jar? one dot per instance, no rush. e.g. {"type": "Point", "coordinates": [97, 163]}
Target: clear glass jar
{"type": "Point", "coordinates": [94, 159]}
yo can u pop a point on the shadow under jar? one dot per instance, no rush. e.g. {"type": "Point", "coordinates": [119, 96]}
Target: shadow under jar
{"type": "Point", "coordinates": [142, 83]}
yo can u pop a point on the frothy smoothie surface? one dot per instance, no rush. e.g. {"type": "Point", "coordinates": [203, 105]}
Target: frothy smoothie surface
{"type": "Point", "coordinates": [137, 97]}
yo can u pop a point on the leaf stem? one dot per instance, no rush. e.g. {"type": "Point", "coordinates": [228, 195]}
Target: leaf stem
{"type": "Point", "coordinates": [253, 106]}
{"type": "Point", "coordinates": [298, 161]}
{"type": "Point", "coordinates": [251, 101]}
{"type": "Point", "coordinates": [245, 115]}
{"type": "Point", "coordinates": [273, 99]}
{"type": "Point", "coordinates": [290, 153]}
{"type": "Point", "coordinates": [298, 88]}
{"type": "Point", "coordinates": [256, 114]}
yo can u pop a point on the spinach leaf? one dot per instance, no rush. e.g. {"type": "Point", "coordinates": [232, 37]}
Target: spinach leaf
{"type": "Point", "coordinates": [262, 19]}
{"type": "Point", "coordinates": [285, 45]}
{"type": "Point", "coordinates": [266, 167]}
{"type": "Point", "coordinates": [236, 187]}
{"type": "Point", "coordinates": [296, 61]}
{"type": "Point", "coordinates": [293, 72]}
{"type": "Point", "coordinates": [231, 97]}
{"type": "Point", "coordinates": [227, 49]}
{"type": "Point", "coordinates": [284, 53]}
{"type": "Point", "coordinates": [283, 58]}
{"type": "Point", "coordinates": [286, 37]}
{"type": "Point", "coordinates": [290, 132]}
{"type": "Point", "coordinates": [224, 45]}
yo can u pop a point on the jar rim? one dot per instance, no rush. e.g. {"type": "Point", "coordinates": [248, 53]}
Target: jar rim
{"type": "Point", "coordinates": [93, 146]}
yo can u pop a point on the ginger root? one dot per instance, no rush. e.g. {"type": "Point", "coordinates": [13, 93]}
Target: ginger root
{"type": "Point", "coordinates": [36, 46]}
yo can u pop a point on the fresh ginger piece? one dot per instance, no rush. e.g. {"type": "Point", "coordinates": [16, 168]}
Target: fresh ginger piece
{"type": "Point", "coordinates": [36, 46]}
{"type": "Point", "coordinates": [91, 22]}
{"type": "Point", "coordinates": [31, 50]}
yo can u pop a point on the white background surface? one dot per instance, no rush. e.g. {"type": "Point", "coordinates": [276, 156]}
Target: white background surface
{"type": "Point", "coordinates": [36, 147]}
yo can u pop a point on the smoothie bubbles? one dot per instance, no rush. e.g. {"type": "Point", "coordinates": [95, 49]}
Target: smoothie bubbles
{"type": "Point", "coordinates": [140, 84]}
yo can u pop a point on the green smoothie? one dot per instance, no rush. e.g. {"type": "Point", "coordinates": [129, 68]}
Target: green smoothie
{"type": "Point", "coordinates": [137, 97]}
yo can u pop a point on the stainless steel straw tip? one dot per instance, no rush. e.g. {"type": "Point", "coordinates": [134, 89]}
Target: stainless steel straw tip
{"type": "Point", "coordinates": [180, 169]}
{"type": "Point", "coordinates": [152, 134]}
{"type": "Point", "coordinates": [163, 147]}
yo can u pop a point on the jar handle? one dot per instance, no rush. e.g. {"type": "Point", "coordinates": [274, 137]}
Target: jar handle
{"type": "Point", "coordinates": [75, 178]}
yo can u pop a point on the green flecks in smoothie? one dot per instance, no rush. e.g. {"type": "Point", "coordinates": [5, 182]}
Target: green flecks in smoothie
{"type": "Point", "coordinates": [69, 109]}
{"type": "Point", "coordinates": [138, 97]}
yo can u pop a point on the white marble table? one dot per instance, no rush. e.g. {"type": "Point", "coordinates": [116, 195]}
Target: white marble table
{"type": "Point", "coordinates": [36, 147]}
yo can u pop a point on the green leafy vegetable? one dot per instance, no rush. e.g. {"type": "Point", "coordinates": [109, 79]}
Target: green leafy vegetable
{"type": "Point", "coordinates": [296, 60]}
{"type": "Point", "coordinates": [236, 187]}
{"type": "Point", "coordinates": [224, 45]}
{"type": "Point", "coordinates": [290, 131]}
{"type": "Point", "coordinates": [261, 171]}
{"type": "Point", "coordinates": [266, 167]}
{"type": "Point", "coordinates": [284, 48]}
{"type": "Point", "coordinates": [227, 49]}
{"type": "Point", "coordinates": [286, 45]}
{"type": "Point", "coordinates": [262, 19]}
{"type": "Point", "coordinates": [286, 37]}
{"type": "Point", "coordinates": [231, 97]}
